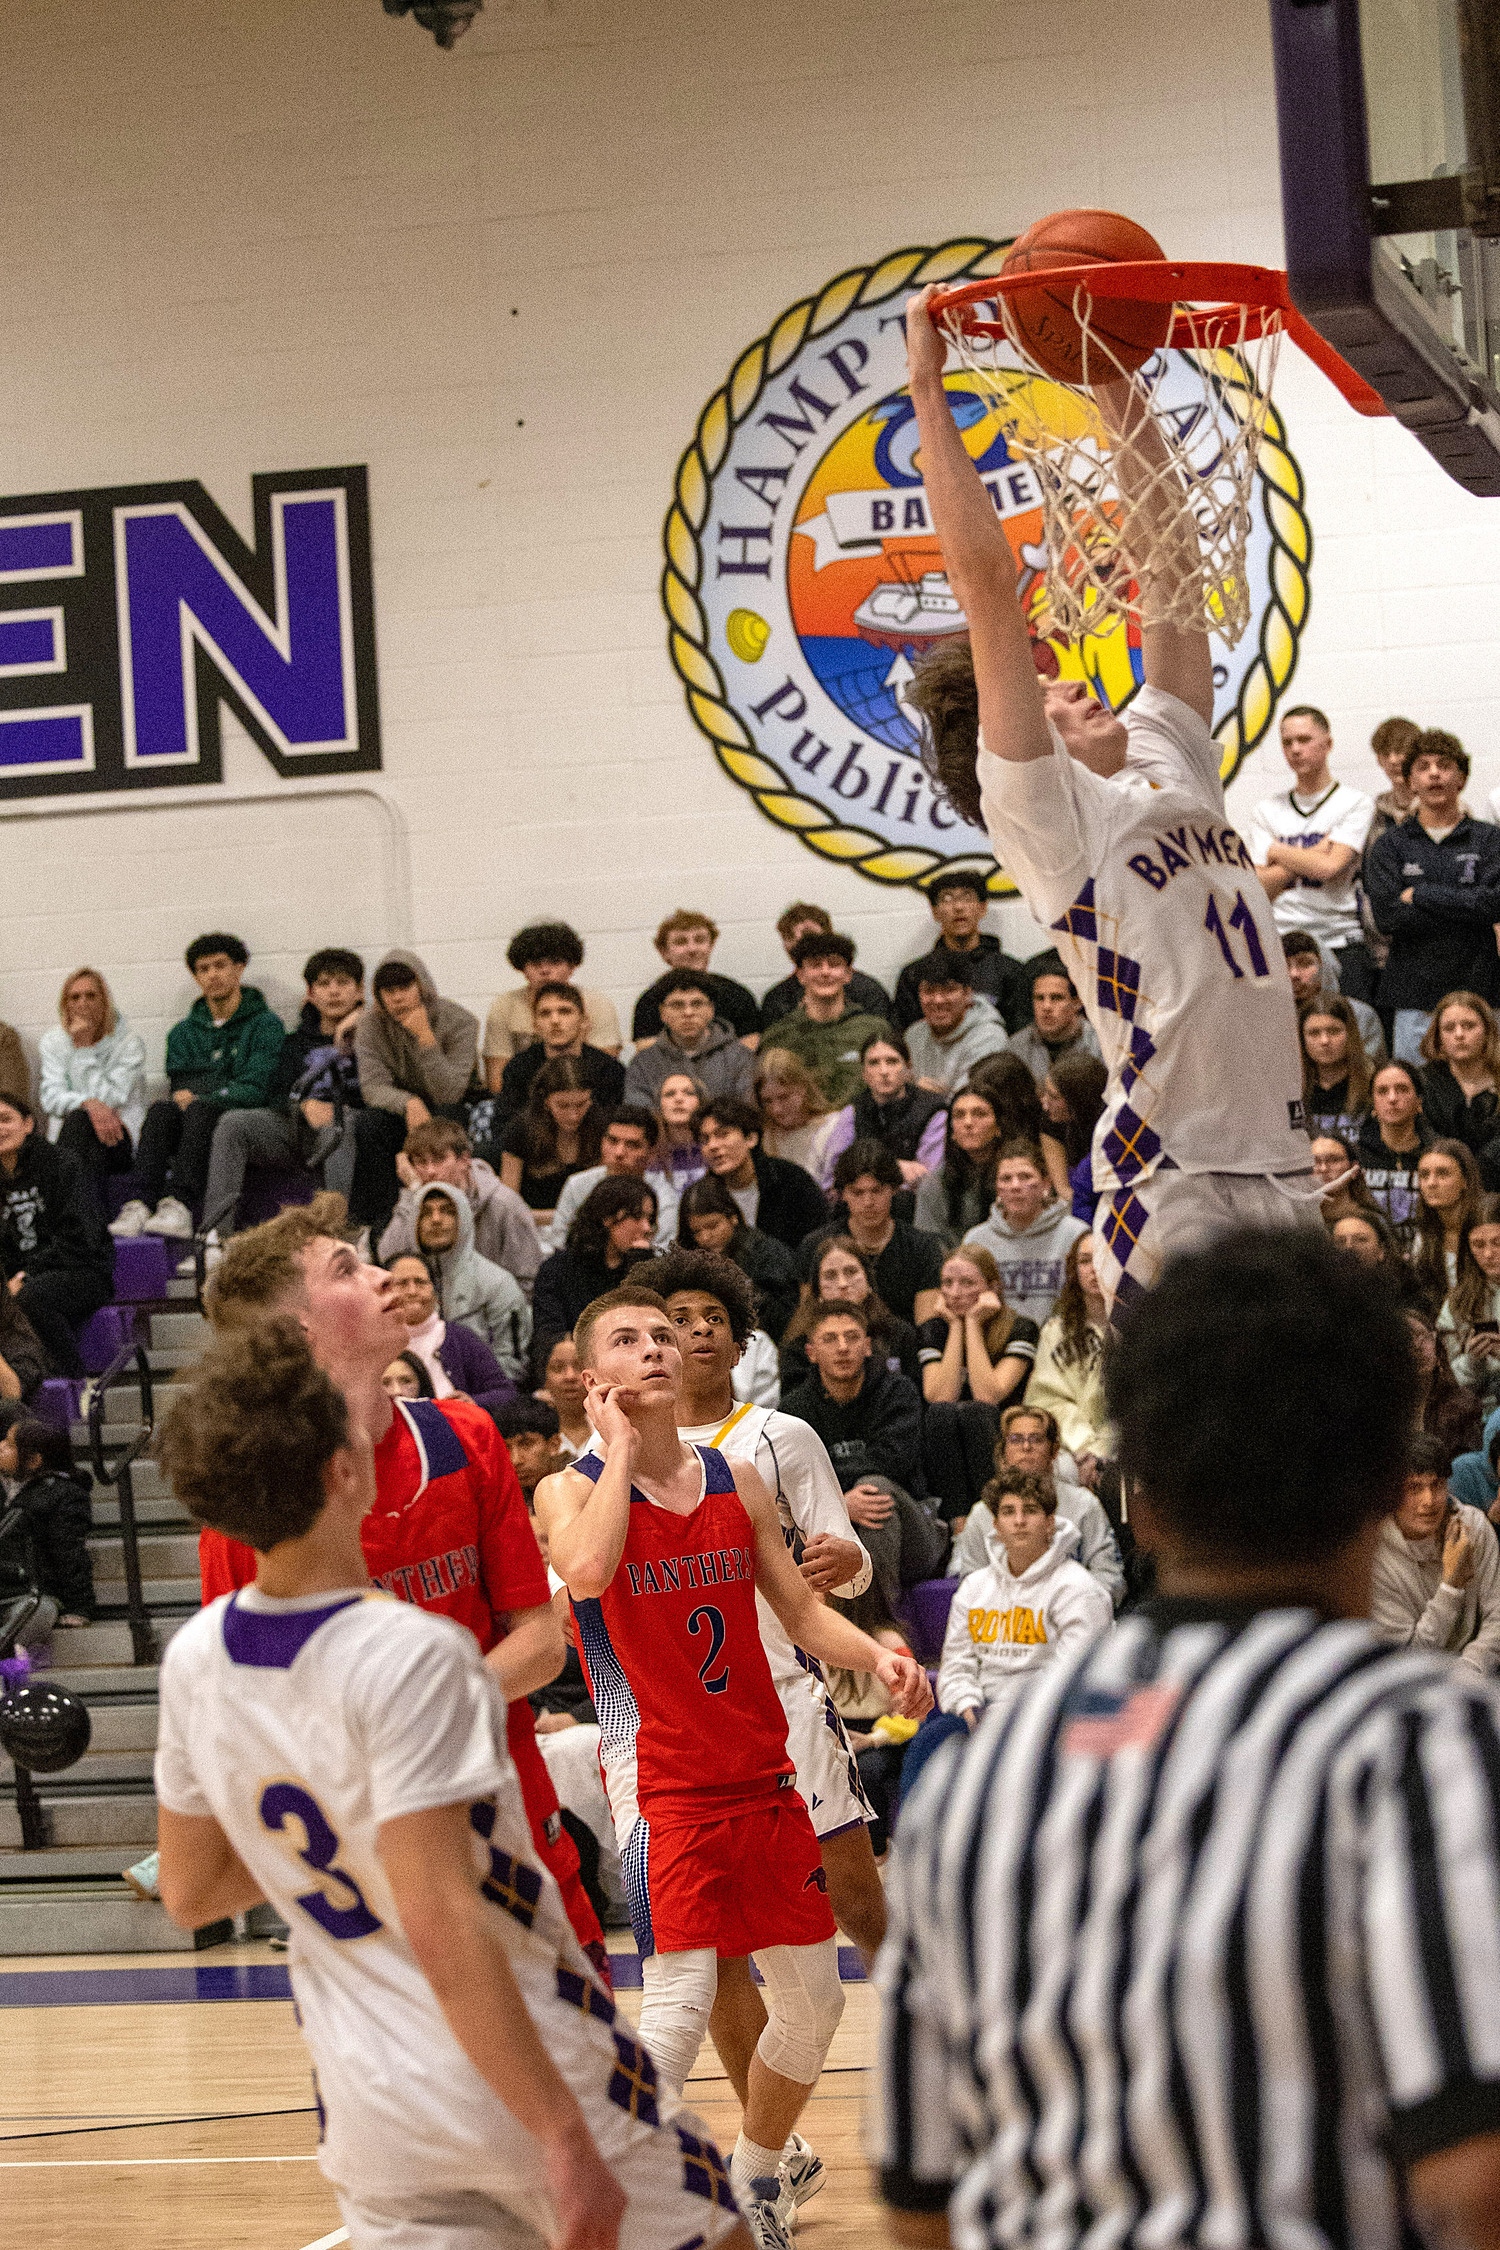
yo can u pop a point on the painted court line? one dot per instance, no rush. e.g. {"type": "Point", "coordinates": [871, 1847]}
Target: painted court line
{"type": "Point", "coordinates": [134, 2163]}
{"type": "Point", "coordinates": [172, 1984]}
{"type": "Point", "coordinates": [328, 2241]}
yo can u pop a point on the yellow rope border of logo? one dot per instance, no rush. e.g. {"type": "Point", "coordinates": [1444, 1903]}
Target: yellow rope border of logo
{"type": "Point", "coordinates": [688, 638]}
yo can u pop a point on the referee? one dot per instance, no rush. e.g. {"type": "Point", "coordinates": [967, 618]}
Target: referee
{"type": "Point", "coordinates": [1199, 1942]}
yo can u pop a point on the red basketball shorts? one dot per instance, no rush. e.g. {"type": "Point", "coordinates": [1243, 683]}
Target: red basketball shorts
{"type": "Point", "coordinates": [735, 1883]}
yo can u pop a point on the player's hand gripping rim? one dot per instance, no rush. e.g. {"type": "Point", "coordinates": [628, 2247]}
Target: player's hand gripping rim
{"type": "Point", "coordinates": [926, 346]}
{"type": "Point", "coordinates": [906, 1684]}
{"type": "Point", "coordinates": [585, 2193]}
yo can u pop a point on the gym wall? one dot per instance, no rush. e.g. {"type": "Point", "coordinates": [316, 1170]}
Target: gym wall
{"type": "Point", "coordinates": [274, 237]}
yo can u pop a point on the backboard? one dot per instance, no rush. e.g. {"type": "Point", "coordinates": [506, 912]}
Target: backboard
{"type": "Point", "coordinates": [1389, 117]}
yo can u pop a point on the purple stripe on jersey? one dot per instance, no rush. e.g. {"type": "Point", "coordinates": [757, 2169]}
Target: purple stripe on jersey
{"type": "Point", "coordinates": [274, 1640]}
{"type": "Point", "coordinates": [439, 1440]}
{"type": "Point", "coordinates": [717, 1474]}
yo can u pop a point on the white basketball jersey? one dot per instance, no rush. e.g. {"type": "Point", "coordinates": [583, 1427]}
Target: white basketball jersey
{"type": "Point", "coordinates": [300, 1727]}
{"type": "Point", "coordinates": [1342, 815]}
{"type": "Point", "coordinates": [1154, 905]}
{"type": "Point", "coordinates": [794, 1465]}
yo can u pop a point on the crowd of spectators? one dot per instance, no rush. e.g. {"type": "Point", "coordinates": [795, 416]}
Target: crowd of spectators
{"type": "Point", "coordinates": [903, 1178]}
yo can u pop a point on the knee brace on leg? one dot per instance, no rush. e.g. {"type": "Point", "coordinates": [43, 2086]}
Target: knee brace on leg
{"type": "Point", "coordinates": [677, 1995]}
{"type": "Point", "coordinates": [804, 2001]}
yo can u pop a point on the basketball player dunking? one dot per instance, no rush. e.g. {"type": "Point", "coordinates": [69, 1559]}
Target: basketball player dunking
{"type": "Point", "coordinates": [1114, 830]}
{"type": "Point", "coordinates": [662, 1545]}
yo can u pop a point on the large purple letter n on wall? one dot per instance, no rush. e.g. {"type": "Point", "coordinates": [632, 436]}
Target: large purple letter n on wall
{"type": "Point", "coordinates": [130, 616]}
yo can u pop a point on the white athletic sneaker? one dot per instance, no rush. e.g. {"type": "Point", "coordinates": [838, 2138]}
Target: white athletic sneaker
{"type": "Point", "coordinates": [768, 2229]}
{"type": "Point", "coordinates": [172, 1219]}
{"type": "Point", "coordinates": [802, 2171]}
{"type": "Point", "coordinates": [142, 1877]}
{"type": "Point", "coordinates": [134, 1218]}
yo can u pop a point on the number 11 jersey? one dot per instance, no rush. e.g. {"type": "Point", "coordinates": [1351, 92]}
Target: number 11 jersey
{"type": "Point", "coordinates": [1154, 905]}
{"type": "Point", "coordinates": [690, 1724]}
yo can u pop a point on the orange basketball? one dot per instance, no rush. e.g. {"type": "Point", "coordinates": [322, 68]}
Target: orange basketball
{"type": "Point", "coordinates": [1132, 330]}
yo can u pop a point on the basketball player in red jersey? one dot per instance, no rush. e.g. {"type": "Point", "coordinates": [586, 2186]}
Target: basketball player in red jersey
{"type": "Point", "coordinates": [449, 1529]}
{"type": "Point", "coordinates": [662, 1546]}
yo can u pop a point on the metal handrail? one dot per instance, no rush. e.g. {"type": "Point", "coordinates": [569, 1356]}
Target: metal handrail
{"type": "Point", "coordinates": [117, 1473]}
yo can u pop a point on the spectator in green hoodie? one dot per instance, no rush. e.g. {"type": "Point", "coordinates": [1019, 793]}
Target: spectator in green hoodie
{"type": "Point", "coordinates": [826, 1032]}
{"type": "Point", "coordinates": [221, 1056]}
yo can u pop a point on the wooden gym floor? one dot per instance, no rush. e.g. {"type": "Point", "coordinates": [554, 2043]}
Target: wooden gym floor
{"type": "Point", "coordinates": [149, 2123]}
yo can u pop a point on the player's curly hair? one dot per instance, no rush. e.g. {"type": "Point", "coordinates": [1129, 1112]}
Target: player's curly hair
{"type": "Point", "coordinates": [245, 1446]}
{"type": "Point", "coordinates": [705, 1271]}
{"type": "Point", "coordinates": [1279, 1316]}
{"type": "Point", "coordinates": [945, 695]}
{"type": "Point", "coordinates": [261, 1267]}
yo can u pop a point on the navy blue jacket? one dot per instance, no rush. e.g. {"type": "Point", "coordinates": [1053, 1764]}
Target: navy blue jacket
{"type": "Point", "coordinates": [1444, 940]}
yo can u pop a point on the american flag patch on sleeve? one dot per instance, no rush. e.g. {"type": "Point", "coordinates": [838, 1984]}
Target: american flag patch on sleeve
{"type": "Point", "coordinates": [1102, 1723]}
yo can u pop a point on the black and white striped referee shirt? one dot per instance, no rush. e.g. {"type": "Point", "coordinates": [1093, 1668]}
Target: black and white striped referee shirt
{"type": "Point", "coordinates": [1197, 1943]}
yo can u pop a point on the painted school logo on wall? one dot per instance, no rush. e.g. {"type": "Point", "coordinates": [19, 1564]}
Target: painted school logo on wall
{"type": "Point", "coordinates": [803, 581]}
{"type": "Point", "coordinates": [130, 615]}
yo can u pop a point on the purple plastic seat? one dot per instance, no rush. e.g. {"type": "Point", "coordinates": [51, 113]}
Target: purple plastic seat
{"type": "Point", "coordinates": [57, 1401]}
{"type": "Point", "coordinates": [104, 1335]}
{"type": "Point", "coordinates": [269, 1188]}
{"type": "Point", "coordinates": [144, 1264]}
{"type": "Point", "coordinates": [924, 1612]}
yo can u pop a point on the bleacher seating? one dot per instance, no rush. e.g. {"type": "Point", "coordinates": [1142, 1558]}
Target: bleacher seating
{"type": "Point", "coordinates": [102, 1812]}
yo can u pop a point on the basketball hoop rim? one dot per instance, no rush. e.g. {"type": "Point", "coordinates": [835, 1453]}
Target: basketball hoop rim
{"type": "Point", "coordinates": [1210, 294]}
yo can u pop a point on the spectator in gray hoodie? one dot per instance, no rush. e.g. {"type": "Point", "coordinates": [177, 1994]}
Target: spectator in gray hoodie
{"type": "Point", "coordinates": [504, 1230]}
{"type": "Point", "coordinates": [1058, 1026]}
{"type": "Point", "coordinates": [1028, 1232]}
{"type": "Point", "coordinates": [470, 1290]}
{"type": "Point", "coordinates": [693, 1039]}
{"type": "Point", "coordinates": [1437, 1568]}
{"type": "Point", "coordinates": [418, 1058]}
{"type": "Point", "coordinates": [957, 1026]}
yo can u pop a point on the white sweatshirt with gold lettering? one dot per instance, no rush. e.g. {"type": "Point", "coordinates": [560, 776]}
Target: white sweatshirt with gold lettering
{"type": "Point", "coordinates": [1002, 1628]}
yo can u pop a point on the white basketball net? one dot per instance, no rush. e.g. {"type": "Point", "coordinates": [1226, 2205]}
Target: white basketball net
{"type": "Point", "coordinates": [1156, 523]}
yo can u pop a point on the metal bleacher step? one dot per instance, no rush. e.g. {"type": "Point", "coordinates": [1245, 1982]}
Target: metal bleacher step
{"type": "Point", "coordinates": [177, 1332]}
{"type": "Point", "coordinates": [101, 1683]}
{"type": "Point", "coordinates": [146, 1483]}
{"type": "Point", "coordinates": [164, 1554]}
{"type": "Point", "coordinates": [158, 1594]}
{"type": "Point", "coordinates": [99, 1916]}
{"type": "Point", "coordinates": [159, 1509]}
{"type": "Point", "coordinates": [66, 1863]}
{"type": "Point", "coordinates": [77, 1812]}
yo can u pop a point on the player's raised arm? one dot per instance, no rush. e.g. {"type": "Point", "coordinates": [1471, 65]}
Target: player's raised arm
{"type": "Point", "coordinates": [587, 1524]}
{"type": "Point", "coordinates": [821, 1631]}
{"type": "Point", "coordinates": [981, 568]}
{"type": "Point", "coordinates": [1164, 546]}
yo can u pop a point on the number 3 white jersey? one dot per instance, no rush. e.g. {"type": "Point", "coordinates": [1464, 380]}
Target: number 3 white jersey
{"type": "Point", "coordinates": [301, 1727]}
{"type": "Point", "coordinates": [1156, 908]}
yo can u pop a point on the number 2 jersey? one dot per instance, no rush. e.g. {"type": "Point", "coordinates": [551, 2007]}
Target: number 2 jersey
{"type": "Point", "coordinates": [302, 1726]}
{"type": "Point", "coordinates": [1153, 902]}
{"type": "Point", "coordinates": [690, 1724]}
